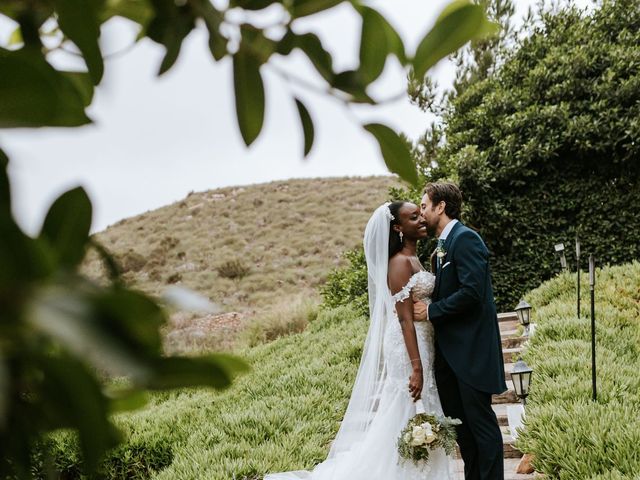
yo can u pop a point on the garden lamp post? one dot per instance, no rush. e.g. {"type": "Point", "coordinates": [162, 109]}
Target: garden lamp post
{"type": "Point", "coordinates": [592, 285]}
{"type": "Point", "coordinates": [523, 310]}
{"type": "Point", "coordinates": [521, 378]}
{"type": "Point", "coordinates": [559, 247]}
{"type": "Point", "coordinates": [578, 271]}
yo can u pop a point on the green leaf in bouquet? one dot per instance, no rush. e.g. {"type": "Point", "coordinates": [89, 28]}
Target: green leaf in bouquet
{"type": "Point", "coordinates": [66, 227]}
{"type": "Point", "coordinates": [78, 20]}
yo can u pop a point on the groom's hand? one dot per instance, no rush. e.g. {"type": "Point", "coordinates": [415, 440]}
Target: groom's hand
{"type": "Point", "coordinates": [420, 311]}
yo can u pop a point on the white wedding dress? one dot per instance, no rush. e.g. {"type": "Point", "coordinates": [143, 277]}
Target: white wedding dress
{"type": "Point", "coordinates": [380, 406]}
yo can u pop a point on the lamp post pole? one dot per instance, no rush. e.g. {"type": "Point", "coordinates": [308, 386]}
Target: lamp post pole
{"type": "Point", "coordinates": [592, 284]}
{"type": "Point", "coordinates": [578, 271]}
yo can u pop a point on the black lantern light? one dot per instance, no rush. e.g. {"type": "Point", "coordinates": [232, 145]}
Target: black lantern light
{"type": "Point", "coordinates": [521, 378]}
{"type": "Point", "coordinates": [523, 310]}
{"type": "Point", "coordinates": [559, 247]}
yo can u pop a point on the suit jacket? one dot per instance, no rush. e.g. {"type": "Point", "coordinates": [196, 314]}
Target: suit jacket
{"type": "Point", "coordinates": [463, 313]}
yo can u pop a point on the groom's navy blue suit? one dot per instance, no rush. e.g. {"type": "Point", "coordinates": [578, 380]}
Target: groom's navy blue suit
{"type": "Point", "coordinates": [468, 364]}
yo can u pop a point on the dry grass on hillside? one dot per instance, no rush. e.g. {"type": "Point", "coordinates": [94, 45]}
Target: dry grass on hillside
{"type": "Point", "coordinates": [246, 248]}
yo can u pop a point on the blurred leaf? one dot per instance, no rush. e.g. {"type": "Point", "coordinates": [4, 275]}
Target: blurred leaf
{"type": "Point", "coordinates": [212, 19]}
{"type": "Point", "coordinates": [66, 226]}
{"type": "Point", "coordinates": [169, 27]}
{"type": "Point", "coordinates": [126, 400]}
{"type": "Point", "coordinates": [5, 187]}
{"type": "Point", "coordinates": [84, 85]}
{"type": "Point", "coordinates": [395, 152]}
{"type": "Point", "coordinates": [373, 45]}
{"type": "Point", "coordinates": [307, 126]}
{"type": "Point", "coordinates": [113, 269]}
{"type": "Point", "coordinates": [214, 370]}
{"type": "Point", "coordinates": [350, 81]}
{"type": "Point", "coordinates": [138, 11]}
{"type": "Point", "coordinates": [311, 45]}
{"type": "Point", "coordinates": [301, 8]}
{"type": "Point", "coordinates": [15, 38]}
{"type": "Point", "coordinates": [456, 26]}
{"type": "Point", "coordinates": [78, 20]}
{"type": "Point", "coordinates": [249, 93]}
{"type": "Point", "coordinates": [22, 259]}
{"type": "Point", "coordinates": [74, 398]}
{"type": "Point", "coordinates": [34, 94]}
{"type": "Point", "coordinates": [185, 299]}
{"type": "Point", "coordinates": [5, 388]}
{"type": "Point", "coordinates": [251, 4]}
{"type": "Point", "coordinates": [260, 46]}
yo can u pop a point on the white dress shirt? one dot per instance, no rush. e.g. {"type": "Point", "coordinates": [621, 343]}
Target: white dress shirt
{"type": "Point", "coordinates": [447, 229]}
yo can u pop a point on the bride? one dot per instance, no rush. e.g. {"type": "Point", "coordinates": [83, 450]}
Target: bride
{"type": "Point", "coordinates": [396, 368]}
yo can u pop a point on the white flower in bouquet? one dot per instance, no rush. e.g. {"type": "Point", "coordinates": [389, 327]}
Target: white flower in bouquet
{"type": "Point", "coordinates": [418, 436]}
{"type": "Point", "coordinates": [430, 436]}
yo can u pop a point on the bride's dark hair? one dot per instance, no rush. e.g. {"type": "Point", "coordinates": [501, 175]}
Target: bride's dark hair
{"type": "Point", "coordinates": [395, 244]}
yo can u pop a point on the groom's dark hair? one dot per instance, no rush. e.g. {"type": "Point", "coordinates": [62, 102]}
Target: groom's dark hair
{"type": "Point", "coordinates": [446, 192]}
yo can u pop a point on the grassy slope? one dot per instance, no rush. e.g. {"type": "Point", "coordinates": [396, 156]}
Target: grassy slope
{"type": "Point", "coordinates": [281, 416]}
{"type": "Point", "coordinates": [289, 234]}
{"type": "Point", "coordinates": [571, 436]}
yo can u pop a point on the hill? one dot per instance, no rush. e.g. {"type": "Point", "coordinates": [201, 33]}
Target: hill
{"type": "Point", "coordinates": [251, 250]}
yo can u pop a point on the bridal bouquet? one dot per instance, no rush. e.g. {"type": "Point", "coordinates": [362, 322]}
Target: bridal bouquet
{"type": "Point", "coordinates": [425, 433]}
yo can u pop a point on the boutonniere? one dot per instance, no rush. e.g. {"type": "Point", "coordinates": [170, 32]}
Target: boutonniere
{"type": "Point", "coordinates": [441, 253]}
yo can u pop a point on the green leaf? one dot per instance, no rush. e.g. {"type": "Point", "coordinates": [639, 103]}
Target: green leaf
{"type": "Point", "coordinates": [126, 400]}
{"type": "Point", "coordinates": [78, 20]}
{"type": "Point", "coordinates": [302, 8]}
{"type": "Point", "coordinates": [312, 47]}
{"type": "Point", "coordinates": [138, 11]}
{"type": "Point", "coordinates": [373, 45]}
{"type": "Point", "coordinates": [251, 4]}
{"type": "Point", "coordinates": [249, 94]}
{"type": "Point", "coordinates": [74, 398]}
{"type": "Point", "coordinates": [83, 84]}
{"type": "Point", "coordinates": [169, 27]}
{"type": "Point", "coordinates": [5, 187]}
{"type": "Point", "coordinates": [215, 371]}
{"type": "Point", "coordinates": [34, 94]}
{"type": "Point", "coordinates": [395, 152]}
{"type": "Point", "coordinates": [213, 19]}
{"type": "Point", "coordinates": [66, 226]}
{"type": "Point", "coordinates": [307, 126]}
{"type": "Point", "coordinates": [394, 42]}
{"type": "Point", "coordinates": [456, 26]}
{"type": "Point", "coordinates": [350, 81]}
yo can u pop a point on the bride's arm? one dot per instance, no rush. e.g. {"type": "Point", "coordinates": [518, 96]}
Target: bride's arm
{"type": "Point", "coordinates": [400, 271]}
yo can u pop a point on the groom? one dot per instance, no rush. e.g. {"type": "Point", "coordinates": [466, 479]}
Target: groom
{"type": "Point", "coordinates": [468, 364]}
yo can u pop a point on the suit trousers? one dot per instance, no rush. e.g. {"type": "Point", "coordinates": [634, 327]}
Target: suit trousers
{"type": "Point", "coordinates": [479, 436]}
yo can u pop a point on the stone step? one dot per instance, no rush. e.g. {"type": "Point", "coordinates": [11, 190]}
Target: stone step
{"type": "Point", "coordinates": [510, 466]}
{"type": "Point", "coordinates": [507, 317]}
{"type": "Point", "coordinates": [509, 448]}
{"type": "Point", "coordinates": [507, 397]}
{"type": "Point", "coordinates": [510, 355]}
{"type": "Point", "coordinates": [516, 341]}
{"type": "Point", "coordinates": [508, 367]}
{"type": "Point", "coordinates": [506, 327]}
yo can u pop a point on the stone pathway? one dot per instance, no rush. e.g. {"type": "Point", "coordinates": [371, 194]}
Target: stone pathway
{"type": "Point", "coordinates": [511, 347]}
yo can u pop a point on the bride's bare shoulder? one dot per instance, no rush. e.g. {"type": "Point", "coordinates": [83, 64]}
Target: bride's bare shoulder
{"type": "Point", "coordinates": [400, 271]}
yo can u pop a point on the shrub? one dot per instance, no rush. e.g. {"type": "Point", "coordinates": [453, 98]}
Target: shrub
{"type": "Point", "coordinates": [233, 269]}
{"type": "Point", "coordinates": [348, 285]}
{"type": "Point", "coordinates": [547, 146]}
{"type": "Point", "coordinates": [282, 320]}
{"type": "Point", "coordinates": [571, 436]}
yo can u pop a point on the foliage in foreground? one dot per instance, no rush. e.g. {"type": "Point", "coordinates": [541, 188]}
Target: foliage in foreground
{"type": "Point", "coordinates": [571, 436]}
{"type": "Point", "coordinates": [280, 417]}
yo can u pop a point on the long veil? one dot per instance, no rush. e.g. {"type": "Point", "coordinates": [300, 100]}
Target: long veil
{"type": "Point", "coordinates": [369, 379]}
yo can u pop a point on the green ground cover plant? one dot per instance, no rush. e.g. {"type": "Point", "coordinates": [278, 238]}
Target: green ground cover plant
{"type": "Point", "coordinates": [571, 436]}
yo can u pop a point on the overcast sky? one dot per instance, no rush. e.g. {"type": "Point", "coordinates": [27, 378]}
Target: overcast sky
{"type": "Point", "coordinates": [156, 139]}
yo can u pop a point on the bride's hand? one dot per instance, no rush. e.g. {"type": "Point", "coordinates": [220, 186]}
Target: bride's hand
{"type": "Point", "coordinates": [415, 383]}
{"type": "Point", "coordinates": [420, 311]}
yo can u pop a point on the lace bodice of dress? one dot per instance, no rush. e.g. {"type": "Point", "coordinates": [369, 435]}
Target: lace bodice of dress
{"type": "Point", "coordinates": [421, 285]}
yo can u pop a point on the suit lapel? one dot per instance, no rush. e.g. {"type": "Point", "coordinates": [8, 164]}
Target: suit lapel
{"type": "Point", "coordinates": [447, 245]}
